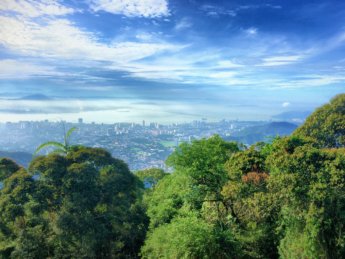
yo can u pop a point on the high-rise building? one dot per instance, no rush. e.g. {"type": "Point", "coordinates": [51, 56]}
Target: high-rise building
{"type": "Point", "coordinates": [143, 123]}
{"type": "Point", "coordinates": [80, 120]}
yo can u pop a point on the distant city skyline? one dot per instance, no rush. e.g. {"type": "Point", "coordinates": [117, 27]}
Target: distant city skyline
{"type": "Point", "coordinates": [168, 60]}
{"type": "Point", "coordinates": [293, 116]}
{"type": "Point", "coordinates": [140, 145]}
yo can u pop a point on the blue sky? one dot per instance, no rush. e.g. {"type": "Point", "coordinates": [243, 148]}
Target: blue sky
{"type": "Point", "coordinates": [168, 60]}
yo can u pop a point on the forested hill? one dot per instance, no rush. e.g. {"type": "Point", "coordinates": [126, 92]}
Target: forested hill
{"type": "Point", "coordinates": [282, 199]}
{"type": "Point", "coordinates": [22, 158]}
{"type": "Point", "coordinates": [292, 116]}
{"type": "Point", "coordinates": [264, 132]}
{"type": "Point", "coordinates": [326, 124]}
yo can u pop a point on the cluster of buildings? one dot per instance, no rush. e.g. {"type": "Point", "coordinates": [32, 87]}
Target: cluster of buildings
{"type": "Point", "coordinates": [143, 145]}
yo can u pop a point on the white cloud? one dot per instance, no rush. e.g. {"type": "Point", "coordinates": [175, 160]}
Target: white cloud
{"type": "Point", "coordinates": [17, 69]}
{"type": "Point", "coordinates": [185, 23]}
{"type": "Point", "coordinates": [99, 110]}
{"type": "Point", "coordinates": [223, 75]}
{"type": "Point", "coordinates": [121, 110]}
{"type": "Point", "coordinates": [280, 60]}
{"type": "Point", "coordinates": [197, 67]}
{"type": "Point", "coordinates": [132, 8]}
{"type": "Point", "coordinates": [313, 81]}
{"type": "Point", "coordinates": [215, 11]}
{"type": "Point", "coordinates": [144, 36]}
{"type": "Point", "coordinates": [187, 69]}
{"type": "Point", "coordinates": [228, 64]}
{"type": "Point", "coordinates": [35, 8]}
{"type": "Point", "coordinates": [55, 39]}
{"type": "Point", "coordinates": [257, 6]}
{"type": "Point", "coordinates": [251, 31]}
{"type": "Point", "coordinates": [285, 104]}
{"type": "Point", "coordinates": [60, 38]}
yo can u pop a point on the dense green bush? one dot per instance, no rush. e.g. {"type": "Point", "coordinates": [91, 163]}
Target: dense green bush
{"type": "Point", "coordinates": [84, 204]}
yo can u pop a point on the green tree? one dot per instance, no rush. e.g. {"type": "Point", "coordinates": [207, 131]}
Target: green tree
{"type": "Point", "coordinates": [7, 167]}
{"type": "Point", "coordinates": [84, 204]}
{"type": "Point", "coordinates": [167, 198]}
{"type": "Point", "coordinates": [185, 207]}
{"type": "Point", "coordinates": [203, 161]}
{"type": "Point", "coordinates": [189, 237]}
{"type": "Point", "coordinates": [309, 183]}
{"type": "Point", "coordinates": [251, 212]}
{"type": "Point", "coordinates": [17, 190]}
{"type": "Point", "coordinates": [326, 124]}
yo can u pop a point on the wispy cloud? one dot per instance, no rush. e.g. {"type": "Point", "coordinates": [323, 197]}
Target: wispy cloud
{"type": "Point", "coordinates": [184, 23]}
{"type": "Point", "coordinates": [257, 6]}
{"type": "Point", "coordinates": [105, 110]}
{"type": "Point", "coordinates": [228, 64]}
{"type": "Point", "coordinates": [144, 36]}
{"type": "Point", "coordinates": [61, 38]}
{"type": "Point", "coordinates": [11, 68]}
{"type": "Point", "coordinates": [133, 8]}
{"type": "Point", "coordinates": [35, 8]}
{"type": "Point", "coordinates": [97, 110]}
{"type": "Point", "coordinates": [215, 11]}
{"type": "Point", "coordinates": [312, 81]}
{"type": "Point", "coordinates": [251, 31]}
{"type": "Point", "coordinates": [286, 104]}
{"type": "Point", "coordinates": [58, 106]}
{"type": "Point", "coordinates": [200, 68]}
{"type": "Point", "coordinates": [280, 60]}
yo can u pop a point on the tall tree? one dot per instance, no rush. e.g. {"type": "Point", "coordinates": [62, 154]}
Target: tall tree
{"type": "Point", "coordinates": [310, 185]}
{"type": "Point", "coordinates": [185, 207]}
{"type": "Point", "coordinates": [83, 204]}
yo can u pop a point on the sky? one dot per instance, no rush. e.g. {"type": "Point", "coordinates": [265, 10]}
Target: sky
{"type": "Point", "coordinates": [168, 60]}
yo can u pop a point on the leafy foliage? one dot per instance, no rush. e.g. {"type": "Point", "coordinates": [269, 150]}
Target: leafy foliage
{"type": "Point", "coordinates": [311, 182]}
{"type": "Point", "coordinates": [185, 208]}
{"type": "Point", "coordinates": [284, 199]}
{"type": "Point", "coordinates": [326, 124]}
{"type": "Point", "coordinates": [85, 204]}
{"type": "Point", "coordinates": [203, 161]}
{"type": "Point", "coordinates": [188, 237]}
{"type": "Point", "coordinates": [7, 167]}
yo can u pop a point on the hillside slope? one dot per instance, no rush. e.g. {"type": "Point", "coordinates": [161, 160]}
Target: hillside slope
{"type": "Point", "coordinates": [327, 124]}
{"type": "Point", "coordinates": [254, 134]}
{"type": "Point", "coordinates": [21, 158]}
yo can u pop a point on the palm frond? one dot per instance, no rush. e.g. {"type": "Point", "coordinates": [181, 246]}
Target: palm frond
{"type": "Point", "coordinates": [64, 133]}
{"type": "Point", "coordinates": [68, 134]}
{"type": "Point", "coordinates": [60, 147]}
{"type": "Point", "coordinates": [48, 144]}
{"type": "Point", "coordinates": [70, 131]}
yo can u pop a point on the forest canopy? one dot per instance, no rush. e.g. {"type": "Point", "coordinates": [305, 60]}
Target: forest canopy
{"type": "Point", "coordinates": [283, 199]}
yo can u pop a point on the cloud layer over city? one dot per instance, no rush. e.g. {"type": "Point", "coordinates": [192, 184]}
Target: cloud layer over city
{"type": "Point", "coordinates": [164, 60]}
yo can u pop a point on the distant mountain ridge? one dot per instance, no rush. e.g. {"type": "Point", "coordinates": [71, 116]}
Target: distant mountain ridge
{"type": "Point", "coordinates": [292, 116]}
{"type": "Point", "coordinates": [21, 158]}
{"type": "Point", "coordinates": [35, 97]}
{"type": "Point", "coordinates": [254, 134]}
